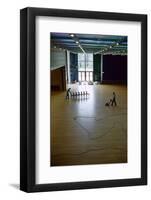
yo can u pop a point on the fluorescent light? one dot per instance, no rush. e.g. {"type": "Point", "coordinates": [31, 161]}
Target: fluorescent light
{"type": "Point", "coordinates": [77, 42]}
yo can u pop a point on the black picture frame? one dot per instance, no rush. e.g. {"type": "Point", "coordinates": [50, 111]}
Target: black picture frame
{"type": "Point", "coordinates": [28, 98]}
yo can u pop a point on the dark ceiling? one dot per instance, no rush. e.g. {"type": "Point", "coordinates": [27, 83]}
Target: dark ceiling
{"type": "Point", "coordinates": [89, 43]}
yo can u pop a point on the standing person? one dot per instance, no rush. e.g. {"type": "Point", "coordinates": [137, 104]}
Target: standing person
{"type": "Point", "coordinates": [68, 92]}
{"type": "Point", "coordinates": [114, 99]}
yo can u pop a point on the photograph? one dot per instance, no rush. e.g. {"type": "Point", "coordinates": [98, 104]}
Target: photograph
{"type": "Point", "coordinates": [83, 99]}
{"type": "Point", "coordinates": [88, 99]}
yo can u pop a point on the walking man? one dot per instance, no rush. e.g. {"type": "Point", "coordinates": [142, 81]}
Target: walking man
{"type": "Point", "coordinates": [114, 99]}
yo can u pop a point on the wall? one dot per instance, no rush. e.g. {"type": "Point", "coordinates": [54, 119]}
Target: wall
{"type": "Point", "coordinates": [9, 100]}
{"type": "Point", "coordinates": [73, 67]}
{"type": "Point", "coordinates": [115, 69]}
{"type": "Point", "coordinates": [58, 79]}
{"type": "Point", "coordinates": [97, 67]}
{"type": "Point", "coordinates": [58, 58]}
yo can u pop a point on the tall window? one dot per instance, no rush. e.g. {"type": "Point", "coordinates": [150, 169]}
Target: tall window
{"type": "Point", "coordinates": [85, 67]}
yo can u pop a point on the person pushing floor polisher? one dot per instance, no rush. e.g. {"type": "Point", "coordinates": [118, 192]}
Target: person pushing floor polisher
{"type": "Point", "coordinates": [112, 101]}
{"type": "Point", "coordinates": [68, 93]}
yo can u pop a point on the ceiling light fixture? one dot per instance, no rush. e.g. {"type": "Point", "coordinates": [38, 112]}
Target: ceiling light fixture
{"type": "Point", "coordinates": [72, 35]}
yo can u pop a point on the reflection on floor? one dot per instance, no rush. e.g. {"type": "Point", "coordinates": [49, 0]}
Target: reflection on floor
{"type": "Point", "coordinates": [85, 131]}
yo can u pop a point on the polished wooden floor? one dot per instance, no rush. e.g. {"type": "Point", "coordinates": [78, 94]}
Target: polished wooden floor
{"type": "Point", "coordinates": [85, 131]}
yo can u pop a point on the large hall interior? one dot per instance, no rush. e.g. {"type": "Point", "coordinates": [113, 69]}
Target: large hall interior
{"type": "Point", "coordinates": [88, 80]}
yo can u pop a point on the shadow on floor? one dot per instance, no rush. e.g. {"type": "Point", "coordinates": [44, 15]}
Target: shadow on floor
{"type": "Point", "coordinates": [15, 185]}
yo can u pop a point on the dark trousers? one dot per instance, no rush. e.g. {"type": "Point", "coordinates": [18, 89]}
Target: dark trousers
{"type": "Point", "coordinates": [113, 102]}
